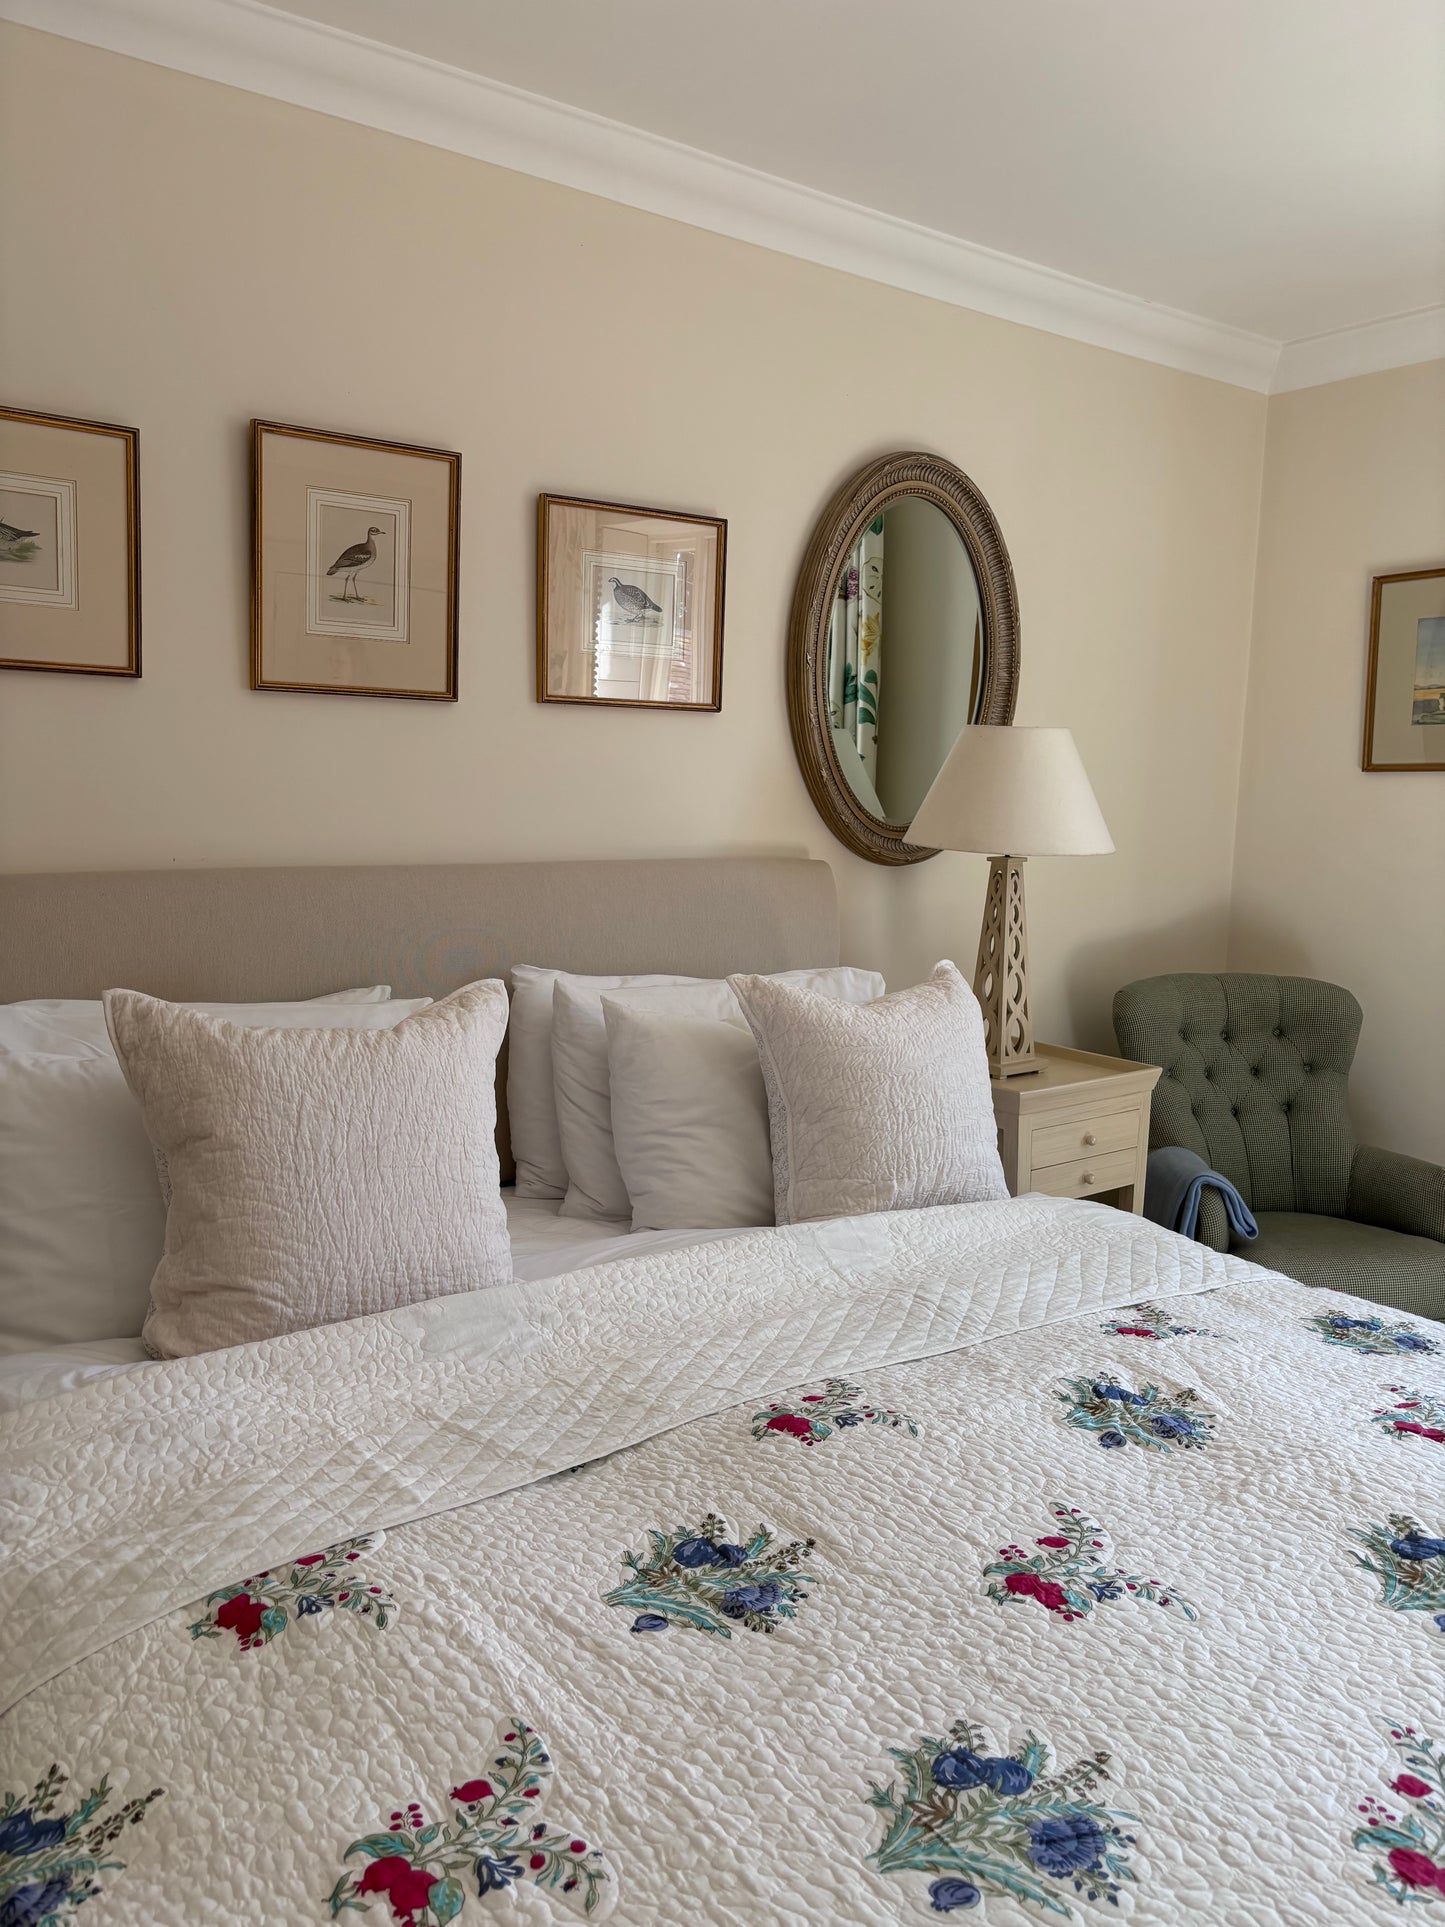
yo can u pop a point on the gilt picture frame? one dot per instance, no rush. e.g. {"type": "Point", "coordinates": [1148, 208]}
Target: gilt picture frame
{"type": "Point", "coordinates": [70, 598]}
{"type": "Point", "coordinates": [629, 605]}
{"type": "Point", "coordinates": [354, 564]}
{"type": "Point", "coordinates": [1405, 672]}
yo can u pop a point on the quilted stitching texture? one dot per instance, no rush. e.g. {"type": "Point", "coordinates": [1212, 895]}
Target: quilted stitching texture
{"type": "Point", "coordinates": [875, 1107]}
{"type": "Point", "coordinates": [317, 1174]}
{"type": "Point", "coordinates": [726, 1780]}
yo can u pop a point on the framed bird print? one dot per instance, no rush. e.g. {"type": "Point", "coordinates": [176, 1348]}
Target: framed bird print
{"type": "Point", "coordinates": [629, 605]}
{"type": "Point", "coordinates": [69, 545]}
{"type": "Point", "coordinates": [1405, 675]}
{"type": "Point", "coordinates": [353, 564]}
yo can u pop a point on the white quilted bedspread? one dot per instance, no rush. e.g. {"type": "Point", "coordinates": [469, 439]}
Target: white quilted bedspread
{"type": "Point", "coordinates": [1018, 1561]}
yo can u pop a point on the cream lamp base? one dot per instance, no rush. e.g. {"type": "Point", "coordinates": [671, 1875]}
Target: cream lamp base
{"type": "Point", "coordinates": [1001, 976]}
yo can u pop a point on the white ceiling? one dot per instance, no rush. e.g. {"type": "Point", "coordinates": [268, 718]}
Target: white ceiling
{"type": "Point", "coordinates": [1253, 190]}
{"type": "Point", "coordinates": [1277, 165]}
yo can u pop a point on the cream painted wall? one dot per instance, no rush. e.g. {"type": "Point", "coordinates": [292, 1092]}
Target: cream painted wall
{"type": "Point", "coordinates": [1340, 874]}
{"type": "Point", "coordinates": [183, 256]}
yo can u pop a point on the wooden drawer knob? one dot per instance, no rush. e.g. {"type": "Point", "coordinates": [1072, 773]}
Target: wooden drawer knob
{"type": "Point", "coordinates": [1089, 1138]}
{"type": "Point", "coordinates": [1086, 1177]}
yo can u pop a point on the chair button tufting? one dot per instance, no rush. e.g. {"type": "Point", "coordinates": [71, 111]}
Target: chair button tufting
{"type": "Point", "coordinates": [1308, 1068]}
{"type": "Point", "coordinates": [1277, 1031]}
{"type": "Point", "coordinates": [1234, 1110]}
{"type": "Point", "coordinates": [1224, 1037]}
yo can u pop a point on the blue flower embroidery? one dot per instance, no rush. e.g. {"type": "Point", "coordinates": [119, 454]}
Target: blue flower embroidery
{"type": "Point", "coordinates": [21, 1832]}
{"type": "Point", "coordinates": [29, 1905]}
{"type": "Point", "coordinates": [1415, 1545]}
{"type": "Point", "coordinates": [1409, 1563]}
{"type": "Point", "coordinates": [1121, 1394]}
{"type": "Point", "coordinates": [494, 1872]}
{"type": "Point", "coordinates": [945, 1895]}
{"type": "Point", "coordinates": [1067, 1843]}
{"type": "Point", "coordinates": [703, 1552]}
{"type": "Point", "coordinates": [51, 1863]}
{"type": "Point", "coordinates": [694, 1577]}
{"type": "Point", "coordinates": [1003, 1824]}
{"type": "Point", "coordinates": [1118, 1415]}
{"type": "Point", "coordinates": [761, 1598]}
{"type": "Point", "coordinates": [960, 1768]}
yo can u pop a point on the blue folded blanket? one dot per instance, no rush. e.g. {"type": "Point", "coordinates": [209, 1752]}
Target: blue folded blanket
{"type": "Point", "coordinates": [1173, 1182]}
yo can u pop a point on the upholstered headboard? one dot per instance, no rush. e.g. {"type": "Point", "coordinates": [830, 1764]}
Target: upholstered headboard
{"type": "Point", "coordinates": [250, 935]}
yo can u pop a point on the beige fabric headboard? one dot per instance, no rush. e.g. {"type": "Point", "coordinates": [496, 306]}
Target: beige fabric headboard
{"type": "Point", "coordinates": [250, 935]}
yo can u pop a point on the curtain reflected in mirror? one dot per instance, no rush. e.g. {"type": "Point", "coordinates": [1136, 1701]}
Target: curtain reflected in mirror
{"type": "Point", "coordinates": [904, 656]}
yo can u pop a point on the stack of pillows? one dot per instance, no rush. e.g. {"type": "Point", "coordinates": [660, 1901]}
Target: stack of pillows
{"type": "Point", "coordinates": [321, 1161]}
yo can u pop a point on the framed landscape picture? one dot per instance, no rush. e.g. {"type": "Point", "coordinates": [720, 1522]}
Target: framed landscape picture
{"type": "Point", "coordinates": [1405, 679]}
{"type": "Point", "coordinates": [629, 605]}
{"type": "Point", "coordinates": [353, 564]}
{"type": "Point", "coordinates": [69, 545]}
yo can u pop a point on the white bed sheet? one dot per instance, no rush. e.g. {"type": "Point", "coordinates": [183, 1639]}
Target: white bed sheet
{"type": "Point", "coordinates": [543, 1246]}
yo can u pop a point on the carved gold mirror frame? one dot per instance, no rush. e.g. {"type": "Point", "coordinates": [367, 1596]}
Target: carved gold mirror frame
{"type": "Point", "coordinates": [856, 504]}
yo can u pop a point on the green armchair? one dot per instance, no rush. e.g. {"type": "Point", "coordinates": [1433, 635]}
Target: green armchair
{"type": "Point", "coordinates": [1256, 1081]}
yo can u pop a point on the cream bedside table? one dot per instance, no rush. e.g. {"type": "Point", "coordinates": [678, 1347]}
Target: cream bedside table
{"type": "Point", "coordinates": [1077, 1127]}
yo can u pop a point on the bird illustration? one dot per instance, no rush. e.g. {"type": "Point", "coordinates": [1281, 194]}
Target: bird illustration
{"type": "Point", "coordinates": [632, 601]}
{"type": "Point", "coordinates": [352, 561]}
{"type": "Point", "coordinates": [9, 532]}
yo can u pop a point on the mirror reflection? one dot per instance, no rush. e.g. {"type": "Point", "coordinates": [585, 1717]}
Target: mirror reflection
{"type": "Point", "coordinates": [904, 656]}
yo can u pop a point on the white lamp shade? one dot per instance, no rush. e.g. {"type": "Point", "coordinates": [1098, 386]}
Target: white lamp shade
{"type": "Point", "coordinates": [1004, 791]}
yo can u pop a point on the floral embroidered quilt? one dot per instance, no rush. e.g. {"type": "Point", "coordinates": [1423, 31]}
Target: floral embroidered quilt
{"type": "Point", "coordinates": [1019, 1562]}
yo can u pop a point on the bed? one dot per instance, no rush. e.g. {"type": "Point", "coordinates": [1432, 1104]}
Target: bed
{"type": "Point", "coordinates": [1018, 1560]}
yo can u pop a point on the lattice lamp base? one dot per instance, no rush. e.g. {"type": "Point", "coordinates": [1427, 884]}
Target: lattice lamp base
{"type": "Point", "coordinates": [1001, 976]}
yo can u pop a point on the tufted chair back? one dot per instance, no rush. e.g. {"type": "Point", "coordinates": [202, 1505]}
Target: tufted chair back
{"type": "Point", "coordinates": [1256, 1076]}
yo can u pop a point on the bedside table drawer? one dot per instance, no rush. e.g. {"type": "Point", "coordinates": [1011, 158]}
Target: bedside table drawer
{"type": "Point", "coordinates": [1084, 1137]}
{"type": "Point", "coordinates": [1082, 1177]}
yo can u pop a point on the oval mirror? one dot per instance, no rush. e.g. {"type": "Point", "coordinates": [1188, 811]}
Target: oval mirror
{"type": "Point", "coordinates": [904, 628]}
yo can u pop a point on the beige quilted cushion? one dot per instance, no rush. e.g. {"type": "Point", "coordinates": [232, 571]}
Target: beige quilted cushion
{"type": "Point", "coordinates": [875, 1107]}
{"type": "Point", "coordinates": [317, 1174]}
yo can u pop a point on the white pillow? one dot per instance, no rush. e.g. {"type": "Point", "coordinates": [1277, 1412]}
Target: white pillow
{"type": "Point", "coordinates": [82, 1223]}
{"type": "Point", "coordinates": [875, 1107]}
{"type": "Point", "coordinates": [595, 1187]}
{"type": "Point", "coordinates": [75, 1026]}
{"type": "Point", "coordinates": [319, 1174]}
{"type": "Point", "coordinates": [689, 1108]}
{"type": "Point", "coordinates": [583, 1098]}
{"type": "Point", "coordinates": [531, 1100]}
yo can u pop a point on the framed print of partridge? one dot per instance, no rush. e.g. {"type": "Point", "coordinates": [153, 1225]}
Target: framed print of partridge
{"type": "Point", "coordinates": [354, 564]}
{"type": "Point", "coordinates": [629, 605]}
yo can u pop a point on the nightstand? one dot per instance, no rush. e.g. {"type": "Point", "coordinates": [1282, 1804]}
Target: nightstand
{"type": "Point", "coordinates": [1077, 1127]}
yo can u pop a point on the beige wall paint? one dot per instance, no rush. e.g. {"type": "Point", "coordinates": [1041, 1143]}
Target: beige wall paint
{"type": "Point", "coordinates": [184, 256]}
{"type": "Point", "coordinates": [1340, 874]}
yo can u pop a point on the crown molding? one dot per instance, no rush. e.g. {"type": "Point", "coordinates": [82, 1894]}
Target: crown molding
{"type": "Point", "coordinates": [1394, 343]}
{"type": "Point", "coordinates": [245, 44]}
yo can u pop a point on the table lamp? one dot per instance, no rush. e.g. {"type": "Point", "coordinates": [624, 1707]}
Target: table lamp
{"type": "Point", "coordinates": [1008, 794]}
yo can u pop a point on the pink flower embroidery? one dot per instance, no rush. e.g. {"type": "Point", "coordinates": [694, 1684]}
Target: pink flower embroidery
{"type": "Point", "coordinates": [1033, 1587]}
{"type": "Point", "coordinates": [1411, 1787]}
{"type": "Point", "coordinates": [800, 1428]}
{"type": "Point", "coordinates": [1416, 1869]}
{"type": "Point", "coordinates": [471, 1790]}
{"type": "Point", "coordinates": [241, 1616]}
{"type": "Point", "coordinates": [405, 1886]}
